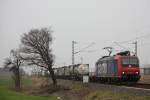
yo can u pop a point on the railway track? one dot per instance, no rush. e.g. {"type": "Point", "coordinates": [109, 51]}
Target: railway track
{"type": "Point", "coordinates": [129, 84]}
{"type": "Point", "coordinates": [137, 89]}
{"type": "Point", "coordinates": [140, 85]}
{"type": "Point", "coordinates": [134, 85]}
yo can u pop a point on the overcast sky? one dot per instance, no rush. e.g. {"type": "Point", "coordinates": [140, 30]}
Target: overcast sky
{"type": "Point", "coordinates": [85, 21]}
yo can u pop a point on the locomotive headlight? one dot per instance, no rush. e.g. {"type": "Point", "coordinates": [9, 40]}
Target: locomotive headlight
{"type": "Point", "coordinates": [123, 72]}
{"type": "Point", "coordinates": [137, 72]}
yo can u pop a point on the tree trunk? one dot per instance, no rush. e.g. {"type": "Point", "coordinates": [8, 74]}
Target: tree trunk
{"type": "Point", "coordinates": [17, 81]}
{"type": "Point", "coordinates": [52, 76]}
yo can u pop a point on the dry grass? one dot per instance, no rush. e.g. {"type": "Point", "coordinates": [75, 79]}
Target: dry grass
{"type": "Point", "coordinates": [107, 95]}
{"type": "Point", "coordinates": [73, 90]}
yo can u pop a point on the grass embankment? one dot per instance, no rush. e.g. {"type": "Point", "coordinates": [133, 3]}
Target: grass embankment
{"type": "Point", "coordinates": [8, 94]}
{"type": "Point", "coordinates": [76, 91]}
{"type": "Point", "coordinates": [92, 94]}
{"type": "Point", "coordinates": [108, 95]}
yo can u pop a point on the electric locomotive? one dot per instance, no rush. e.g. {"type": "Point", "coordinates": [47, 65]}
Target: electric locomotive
{"type": "Point", "coordinates": [122, 67]}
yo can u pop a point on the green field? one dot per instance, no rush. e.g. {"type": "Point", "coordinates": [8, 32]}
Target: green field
{"type": "Point", "coordinates": [7, 94]}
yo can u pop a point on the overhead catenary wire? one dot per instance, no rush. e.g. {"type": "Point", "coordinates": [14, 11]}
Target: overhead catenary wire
{"type": "Point", "coordinates": [144, 44]}
{"type": "Point", "coordinates": [121, 46]}
{"type": "Point", "coordinates": [134, 39]}
{"type": "Point", "coordinates": [83, 49]}
{"type": "Point", "coordinates": [131, 41]}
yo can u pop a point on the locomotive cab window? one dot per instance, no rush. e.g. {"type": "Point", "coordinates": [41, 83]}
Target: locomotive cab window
{"type": "Point", "coordinates": [133, 61]}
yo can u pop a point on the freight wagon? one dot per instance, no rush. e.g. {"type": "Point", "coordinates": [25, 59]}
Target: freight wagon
{"type": "Point", "coordinates": [72, 71]}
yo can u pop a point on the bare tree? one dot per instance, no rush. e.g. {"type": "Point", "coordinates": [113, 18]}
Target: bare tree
{"type": "Point", "coordinates": [37, 51]}
{"type": "Point", "coordinates": [13, 63]}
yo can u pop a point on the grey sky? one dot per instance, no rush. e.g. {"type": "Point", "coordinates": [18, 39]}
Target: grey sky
{"type": "Point", "coordinates": [85, 21]}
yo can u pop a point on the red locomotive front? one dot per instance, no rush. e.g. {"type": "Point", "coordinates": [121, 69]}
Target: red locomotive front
{"type": "Point", "coordinates": [128, 67]}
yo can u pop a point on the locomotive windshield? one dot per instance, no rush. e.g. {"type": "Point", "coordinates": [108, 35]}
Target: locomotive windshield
{"type": "Point", "coordinates": [130, 61]}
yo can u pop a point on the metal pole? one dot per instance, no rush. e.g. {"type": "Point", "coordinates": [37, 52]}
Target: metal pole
{"type": "Point", "coordinates": [73, 52]}
{"type": "Point", "coordinates": [135, 48]}
{"type": "Point", "coordinates": [73, 57]}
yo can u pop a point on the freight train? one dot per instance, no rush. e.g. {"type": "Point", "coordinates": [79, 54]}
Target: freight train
{"type": "Point", "coordinates": [121, 67]}
{"type": "Point", "coordinates": [76, 71]}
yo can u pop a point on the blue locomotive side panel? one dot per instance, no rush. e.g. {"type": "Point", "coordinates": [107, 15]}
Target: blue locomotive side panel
{"type": "Point", "coordinates": [101, 69]}
{"type": "Point", "coordinates": [112, 68]}
{"type": "Point", "coordinates": [106, 68]}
